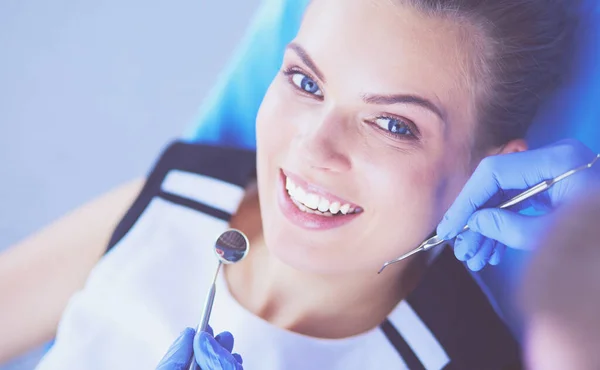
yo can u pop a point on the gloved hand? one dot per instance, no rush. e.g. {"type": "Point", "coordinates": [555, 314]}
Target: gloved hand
{"type": "Point", "coordinates": [210, 353]}
{"type": "Point", "coordinates": [499, 178]}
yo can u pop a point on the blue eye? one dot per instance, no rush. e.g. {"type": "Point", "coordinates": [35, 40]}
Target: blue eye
{"type": "Point", "coordinates": [394, 126]}
{"type": "Point", "coordinates": [306, 83]}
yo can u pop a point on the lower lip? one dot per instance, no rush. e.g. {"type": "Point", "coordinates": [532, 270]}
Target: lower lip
{"type": "Point", "coordinates": [305, 220]}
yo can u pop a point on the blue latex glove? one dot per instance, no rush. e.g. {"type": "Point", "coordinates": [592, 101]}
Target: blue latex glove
{"type": "Point", "coordinates": [210, 353]}
{"type": "Point", "coordinates": [497, 179]}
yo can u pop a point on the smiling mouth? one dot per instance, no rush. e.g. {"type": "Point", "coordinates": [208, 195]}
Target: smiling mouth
{"type": "Point", "coordinates": [321, 204]}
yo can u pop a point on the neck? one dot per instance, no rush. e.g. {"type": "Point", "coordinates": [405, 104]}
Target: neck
{"type": "Point", "coordinates": [325, 306]}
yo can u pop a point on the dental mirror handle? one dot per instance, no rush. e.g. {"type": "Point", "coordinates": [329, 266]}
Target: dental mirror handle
{"type": "Point", "coordinates": [208, 304]}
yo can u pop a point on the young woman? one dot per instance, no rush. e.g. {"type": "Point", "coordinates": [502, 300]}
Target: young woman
{"type": "Point", "coordinates": [380, 114]}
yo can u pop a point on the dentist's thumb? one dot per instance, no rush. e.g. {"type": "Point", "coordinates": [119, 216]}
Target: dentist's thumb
{"type": "Point", "coordinates": [179, 354]}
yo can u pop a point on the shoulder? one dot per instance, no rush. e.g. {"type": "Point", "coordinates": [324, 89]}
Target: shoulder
{"type": "Point", "coordinates": [207, 178]}
{"type": "Point", "coordinates": [228, 164]}
{"type": "Point", "coordinates": [458, 316]}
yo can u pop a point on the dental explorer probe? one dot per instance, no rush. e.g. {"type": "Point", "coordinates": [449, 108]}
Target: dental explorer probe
{"type": "Point", "coordinates": [542, 186]}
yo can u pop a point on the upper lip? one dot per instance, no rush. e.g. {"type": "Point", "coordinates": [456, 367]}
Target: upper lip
{"type": "Point", "coordinates": [315, 189]}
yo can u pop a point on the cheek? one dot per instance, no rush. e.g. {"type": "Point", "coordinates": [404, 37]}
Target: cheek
{"type": "Point", "coordinates": [270, 120]}
{"type": "Point", "coordinates": [450, 165]}
{"type": "Point", "coordinates": [410, 196]}
{"type": "Point", "coordinates": [278, 117]}
{"type": "Point", "coordinates": [403, 207]}
{"type": "Point", "coordinates": [413, 180]}
{"type": "Point", "coordinates": [416, 194]}
{"type": "Point", "coordinates": [276, 123]}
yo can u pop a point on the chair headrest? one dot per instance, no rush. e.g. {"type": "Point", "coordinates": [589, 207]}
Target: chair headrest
{"type": "Point", "coordinates": [574, 109]}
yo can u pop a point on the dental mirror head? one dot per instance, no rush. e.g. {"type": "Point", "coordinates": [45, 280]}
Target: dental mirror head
{"type": "Point", "coordinates": [232, 246]}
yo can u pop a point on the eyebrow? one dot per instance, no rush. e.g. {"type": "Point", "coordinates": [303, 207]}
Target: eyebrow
{"type": "Point", "coordinates": [372, 98]}
{"type": "Point", "coordinates": [306, 59]}
{"type": "Point", "coordinates": [404, 99]}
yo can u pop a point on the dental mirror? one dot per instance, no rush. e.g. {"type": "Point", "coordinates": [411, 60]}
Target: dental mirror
{"type": "Point", "coordinates": [231, 247]}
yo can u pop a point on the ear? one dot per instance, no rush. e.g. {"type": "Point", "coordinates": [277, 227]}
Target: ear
{"type": "Point", "coordinates": [513, 146]}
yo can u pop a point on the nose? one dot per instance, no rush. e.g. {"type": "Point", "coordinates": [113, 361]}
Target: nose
{"type": "Point", "coordinates": [324, 143]}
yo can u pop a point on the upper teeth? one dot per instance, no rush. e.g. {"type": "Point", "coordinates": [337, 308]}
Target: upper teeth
{"type": "Point", "coordinates": [314, 201]}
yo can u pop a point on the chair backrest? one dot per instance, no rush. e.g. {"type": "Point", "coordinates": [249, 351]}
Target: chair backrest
{"type": "Point", "coordinates": [228, 117]}
{"type": "Point", "coordinates": [574, 109]}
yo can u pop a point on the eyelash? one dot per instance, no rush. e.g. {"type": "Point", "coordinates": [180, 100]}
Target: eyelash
{"type": "Point", "coordinates": [293, 70]}
{"type": "Point", "coordinates": [413, 130]}
{"type": "Point", "coordinates": [409, 125]}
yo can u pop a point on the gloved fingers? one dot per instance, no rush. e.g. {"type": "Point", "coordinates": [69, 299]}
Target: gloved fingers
{"type": "Point", "coordinates": [498, 254]}
{"type": "Point", "coordinates": [511, 229]}
{"type": "Point", "coordinates": [225, 339]}
{"type": "Point", "coordinates": [209, 330]}
{"type": "Point", "coordinates": [511, 171]}
{"type": "Point", "coordinates": [180, 353]}
{"type": "Point", "coordinates": [467, 245]}
{"type": "Point", "coordinates": [210, 355]}
{"type": "Point", "coordinates": [238, 358]}
{"type": "Point", "coordinates": [483, 256]}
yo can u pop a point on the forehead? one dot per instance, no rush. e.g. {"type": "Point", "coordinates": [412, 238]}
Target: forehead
{"type": "Point", "coordinates": [381, 46]}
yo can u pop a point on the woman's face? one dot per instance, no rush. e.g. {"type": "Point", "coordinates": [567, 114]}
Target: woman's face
{"type": "Point", "coordinates": [371, 109]}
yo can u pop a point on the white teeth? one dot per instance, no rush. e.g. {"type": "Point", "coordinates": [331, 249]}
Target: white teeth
{"type": "Point", "coordinates": [323, 205]}
{"type": "Point", "coordinates": [302, 207]}
{"type": "Point", "coordinates": [300, 194]}
{"type": "Point", "coordinates": [334, 208]}
{"type": "Point", "coordinates": [312, 201]}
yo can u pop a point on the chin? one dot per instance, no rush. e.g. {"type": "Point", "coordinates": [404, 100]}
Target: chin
{"type": "Point", "coordinates": [306, 251]}
{"type": "Point", "coordinates": [292, 247]}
